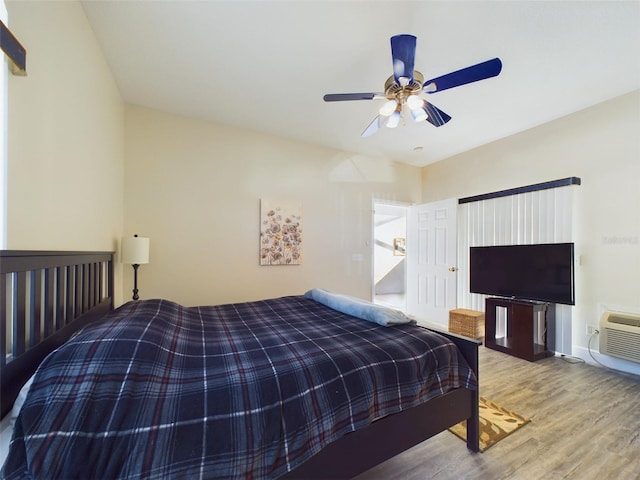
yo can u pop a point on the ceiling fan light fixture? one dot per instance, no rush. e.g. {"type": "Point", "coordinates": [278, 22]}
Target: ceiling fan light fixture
{"type": "Point", "coordinates": [414, 102]}
{"type": "Point", "coordinates": [419, 114]}
{"type": "Point", "coordinates": [388, 108]}
{"type": "Point", "coordinates": [407, 87]}
{"type": "Point", "coordinates": [394, 119]}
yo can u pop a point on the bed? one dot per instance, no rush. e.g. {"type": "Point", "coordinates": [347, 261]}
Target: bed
{"type": "Point", "coordinates": [352, 404]}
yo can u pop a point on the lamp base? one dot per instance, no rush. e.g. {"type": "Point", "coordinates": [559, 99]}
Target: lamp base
{"type": "Point", "coordinates": [135, 281]}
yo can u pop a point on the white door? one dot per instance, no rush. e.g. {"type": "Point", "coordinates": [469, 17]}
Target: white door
{"type": "Point", "coordinates": [431, 261]}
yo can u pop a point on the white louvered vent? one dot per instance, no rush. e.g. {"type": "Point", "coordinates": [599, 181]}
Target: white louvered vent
{"type": "Point", "coordinates": [620, 335]}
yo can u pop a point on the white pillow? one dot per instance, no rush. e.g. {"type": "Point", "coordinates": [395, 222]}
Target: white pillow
{"type": "Point", "coordinates": [9, 421]}
{"type": "Point", "coordinates": [17, 405]}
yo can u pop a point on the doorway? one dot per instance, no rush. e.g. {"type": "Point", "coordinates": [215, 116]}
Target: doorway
{"type": "Point", "coordinates": [389, 254]}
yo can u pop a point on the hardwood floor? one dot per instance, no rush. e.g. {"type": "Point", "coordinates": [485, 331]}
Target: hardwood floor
{"type": "Point", "coordinates": [585, 424]}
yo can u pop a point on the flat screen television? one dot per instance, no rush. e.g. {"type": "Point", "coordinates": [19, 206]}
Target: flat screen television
{"type": "Point", "coordinates": [541, 272]}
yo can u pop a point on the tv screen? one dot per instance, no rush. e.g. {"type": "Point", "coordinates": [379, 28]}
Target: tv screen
{"type": "Point", "coordinates": [542, 272]}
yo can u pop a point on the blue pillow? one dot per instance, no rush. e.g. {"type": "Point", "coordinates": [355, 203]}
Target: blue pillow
{"type": "Point", "coordinates": [358, 308]}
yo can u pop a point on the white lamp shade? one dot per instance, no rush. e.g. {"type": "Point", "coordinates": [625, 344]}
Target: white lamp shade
{"type": "Point", "coordinates": [135, 250]}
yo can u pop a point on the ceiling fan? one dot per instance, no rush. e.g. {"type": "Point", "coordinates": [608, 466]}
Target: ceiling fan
{"type": "Point", "coordinates": [403, 90]}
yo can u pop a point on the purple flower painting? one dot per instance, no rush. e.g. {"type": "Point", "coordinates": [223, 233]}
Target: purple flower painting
{"type": "Point", "coordinates": [280, 232]}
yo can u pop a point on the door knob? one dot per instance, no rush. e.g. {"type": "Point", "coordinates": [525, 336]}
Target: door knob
{"type": "Point", "coordinates": [452, 269]}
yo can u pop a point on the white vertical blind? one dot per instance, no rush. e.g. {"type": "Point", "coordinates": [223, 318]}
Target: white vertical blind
{"type": "Point", "coordinates": [542, 216]}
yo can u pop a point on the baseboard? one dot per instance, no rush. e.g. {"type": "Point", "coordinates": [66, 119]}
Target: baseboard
{"type": "Point", "coordinates": [614, 363]}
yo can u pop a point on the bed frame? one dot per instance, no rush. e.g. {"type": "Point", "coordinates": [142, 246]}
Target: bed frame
{"type": "Point", "coordinates": [47, 296]}
{"type": "Point", "coordinates": [44, 298]}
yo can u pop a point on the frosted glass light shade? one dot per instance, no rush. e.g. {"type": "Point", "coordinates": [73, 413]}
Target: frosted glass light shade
{"type": "Point", "coordinates": [419, 114]}
{"type": "Point", "coordinates": [388, 108]}
{"type": "Point", "coordinates": [394, 120]}
{"type": "Point", "coordinates": [135, 250]}
{"type": "Point", "coordinates": [414, 102]}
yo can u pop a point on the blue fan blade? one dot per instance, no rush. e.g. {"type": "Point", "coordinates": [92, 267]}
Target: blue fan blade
{"type": "Point", "coordinates": [403, 52]}
{"type": "Point", "coordinates": [488, 69]}
{"type": "Point", "coordinates": [372, 128]}
{"type": "Point", "coordinates": [341, 97]}
{"type": "Point", "coordinates": [436, 116]}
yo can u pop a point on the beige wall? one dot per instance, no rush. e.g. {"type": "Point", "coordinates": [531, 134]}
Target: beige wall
{"type": "Point", "coordinates": [194, 188]}
{"type": "Point", "coordinates": [66, 135]}
{"type": "Point", "coordinates": [601, 145]}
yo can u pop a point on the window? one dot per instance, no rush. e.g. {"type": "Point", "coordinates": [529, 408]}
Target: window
{"type": "Point", "coordinates": [3, 139]}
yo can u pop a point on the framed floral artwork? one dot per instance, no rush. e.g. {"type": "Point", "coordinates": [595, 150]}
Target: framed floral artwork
{"type": "Point", "coordinates": [280, 232]}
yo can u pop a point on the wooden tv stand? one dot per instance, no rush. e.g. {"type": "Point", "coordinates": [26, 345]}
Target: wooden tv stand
{"type": "Point", "coordinates": [529, 332]}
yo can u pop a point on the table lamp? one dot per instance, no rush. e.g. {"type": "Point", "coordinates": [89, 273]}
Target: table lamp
{"type": "Point", "coordinates": [135, 251]}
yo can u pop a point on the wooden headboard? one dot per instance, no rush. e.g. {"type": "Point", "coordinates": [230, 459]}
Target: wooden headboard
{"type": "Point", "coordinates": [44, 298]}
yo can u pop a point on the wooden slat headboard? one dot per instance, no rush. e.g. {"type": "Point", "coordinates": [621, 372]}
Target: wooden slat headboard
{"type": "Point", "coordinates": [44, 298]}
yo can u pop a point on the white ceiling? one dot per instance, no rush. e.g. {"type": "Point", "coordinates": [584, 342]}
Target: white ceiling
{"type": "Point", "coordinates": [265, 65]}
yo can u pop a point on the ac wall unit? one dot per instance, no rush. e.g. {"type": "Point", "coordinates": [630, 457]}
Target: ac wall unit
{"type": "Point", "coordinates": [620, 335]}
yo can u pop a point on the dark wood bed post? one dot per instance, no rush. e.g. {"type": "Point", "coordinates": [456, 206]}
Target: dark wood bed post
{"type": "Point", "coordinates": [469, 349]}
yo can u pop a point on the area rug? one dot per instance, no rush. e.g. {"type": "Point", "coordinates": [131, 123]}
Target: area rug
{"type": "Point", "coordinates": [496, 423]}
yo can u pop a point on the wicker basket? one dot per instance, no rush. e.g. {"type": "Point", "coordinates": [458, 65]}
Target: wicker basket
{"type": "Point", "coordinates": [469, 323]}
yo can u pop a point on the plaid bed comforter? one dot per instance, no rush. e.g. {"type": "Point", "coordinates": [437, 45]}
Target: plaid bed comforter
{"type": "Point", "coordinates": [249, 390]}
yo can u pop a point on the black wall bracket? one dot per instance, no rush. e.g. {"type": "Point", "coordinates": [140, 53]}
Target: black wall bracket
{"type": "Point", "coordinates": [563, 182]}
{"type": "Point", "coordinates": [14, 51]}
